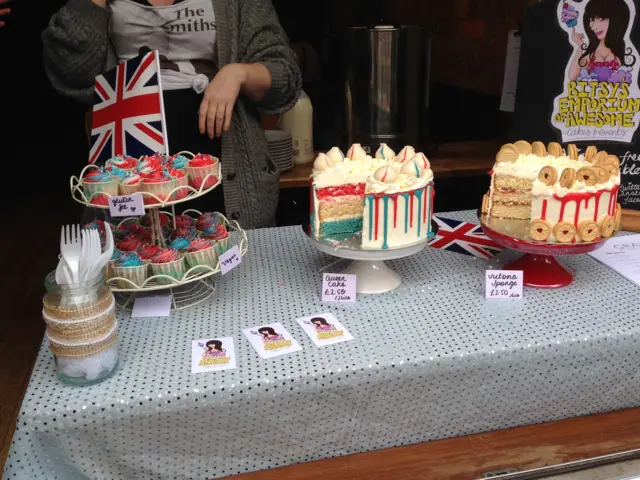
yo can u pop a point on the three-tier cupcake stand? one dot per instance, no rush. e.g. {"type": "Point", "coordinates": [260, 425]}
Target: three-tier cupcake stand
{"type": "Point", "coordinates": [197, 283]}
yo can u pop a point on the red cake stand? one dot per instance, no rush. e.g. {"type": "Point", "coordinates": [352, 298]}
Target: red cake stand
{"type": "Point", "coordinates": [538, 264]}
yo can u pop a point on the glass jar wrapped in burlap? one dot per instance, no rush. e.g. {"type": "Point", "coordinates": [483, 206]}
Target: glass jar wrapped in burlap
{"type": "Point", "coordinates": [81, 329]}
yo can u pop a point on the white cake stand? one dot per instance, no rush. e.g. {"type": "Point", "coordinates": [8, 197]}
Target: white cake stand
{"type": "Point", "coordinates": [373, 275]}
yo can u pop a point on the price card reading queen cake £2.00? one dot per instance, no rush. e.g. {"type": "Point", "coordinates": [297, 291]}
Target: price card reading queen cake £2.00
{"type": "Point", "coordinates": [504, 283]}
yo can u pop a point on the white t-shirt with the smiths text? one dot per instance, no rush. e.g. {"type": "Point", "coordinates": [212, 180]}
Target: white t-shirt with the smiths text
{"type": "Point", "coordinates": [183, 33]}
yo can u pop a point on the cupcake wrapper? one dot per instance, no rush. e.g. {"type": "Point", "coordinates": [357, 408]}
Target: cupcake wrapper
{"type": "Point", "coordinates": [183, 192]}
{"type": "Point", "coordinates": [198, 174]}
{"type": "Point", "coordinates": [128, 189]}
{"type": "Point", "coordinates": [136, 274]}
{"type": "Point", "coordinates": [160, 190]}
{"type": "Point", "coordinates": [93, 188]}
{"type": "Point", "coordinates": [222, 245]}
{"type": "Point", "coordinates": [173, 269]}
{"type": "Point", "coordinates": [203, 257]}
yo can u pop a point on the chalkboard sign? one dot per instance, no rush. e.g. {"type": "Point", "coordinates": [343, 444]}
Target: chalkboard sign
{"type": "Point", "coordinates": [578, 81]}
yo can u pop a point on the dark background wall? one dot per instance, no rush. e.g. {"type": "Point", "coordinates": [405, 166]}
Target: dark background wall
{"type": "Point", "coordinates": [42, 134]}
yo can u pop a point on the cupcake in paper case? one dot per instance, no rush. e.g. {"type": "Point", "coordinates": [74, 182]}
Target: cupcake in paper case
{"type": "Point", "coordinates": [182, 180]}
{"type": "Point", "coordinates": [185, 221]}
{"type": "Point", "coordinates": [130, 183]}
{"type": "Point", "coordinates": [168, 262]}
{"type": "Point", "coordinates": [130, 267]}
{"type": "Point", "coordinates": [207, 220]}
{"type": "Point", "coordinates": [180, 243]}
{"type": "Point", "coordinates": [158, 183]}
{"type": "Point", "coordinates": [148, 251]}
{"type": "Point", "coordinates": [201, 252]}
{"type": "Point", "coordinates": [201, 166]}
{"type": "Point", "coordinates": [99, 185]}
{"type": "Point", "coordinates": [119, 173]}
{"type": "Point", "coordinates": [124, 162]}
{"type": "Point", "coordinates": [117, 254]}
{"type": "Point", "coordinates": [219, 236]}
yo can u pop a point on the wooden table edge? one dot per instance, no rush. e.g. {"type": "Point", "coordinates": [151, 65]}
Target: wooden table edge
{"type": "Point", "coordinates": [468, 457]}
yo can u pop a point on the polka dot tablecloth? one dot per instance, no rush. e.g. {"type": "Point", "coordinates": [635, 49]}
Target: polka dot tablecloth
{"type": "Point", "coordinates": [430, 360]}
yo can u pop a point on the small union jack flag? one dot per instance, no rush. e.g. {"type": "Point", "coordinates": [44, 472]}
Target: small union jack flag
{"type": "Point", "coordinates": [463, 237]}
{"type": "Point", "coordinates": [128, 117]}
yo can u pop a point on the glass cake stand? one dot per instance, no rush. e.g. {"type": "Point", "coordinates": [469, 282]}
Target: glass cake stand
{"type": "Point", "coordinates": [373, 274]}
{"type": "Point", "coordinates": [538, 264]}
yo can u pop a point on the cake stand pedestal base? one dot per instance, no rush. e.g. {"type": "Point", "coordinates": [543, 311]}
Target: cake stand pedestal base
{"type": "Point", "coordinates": [373, 276]}
{"type": "Point", "coordinates": [541, 271]}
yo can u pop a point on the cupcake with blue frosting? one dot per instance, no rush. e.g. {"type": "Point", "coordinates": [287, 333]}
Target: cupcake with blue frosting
{"type": "Point", "coordinates": [129, 270]}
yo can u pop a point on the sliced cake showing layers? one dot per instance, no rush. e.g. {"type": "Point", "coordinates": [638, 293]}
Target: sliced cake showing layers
{"type": "Point", "coordinates": [568, 197]}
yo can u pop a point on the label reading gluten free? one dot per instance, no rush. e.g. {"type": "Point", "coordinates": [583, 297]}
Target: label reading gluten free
{"type": "Point", "coordinates": [126, 205]}
{"type": "Point", "coordinates": [504, 283]}
{"type": "Point", "coordinates": [338, 287]}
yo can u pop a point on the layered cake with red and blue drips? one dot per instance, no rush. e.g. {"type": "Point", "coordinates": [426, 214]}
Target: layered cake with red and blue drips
{"type": "Point", "coordinates": [379, 202]}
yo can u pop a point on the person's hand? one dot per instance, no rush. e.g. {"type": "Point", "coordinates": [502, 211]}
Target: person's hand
{"type": "Point", "coordinates": [578, 38]}
{"type": "Point", "coordinates": [4, 12]}
{"type": "Point", "coordinates": [219, 98]}
{"type": "Point", "coordinates": [100, 3]}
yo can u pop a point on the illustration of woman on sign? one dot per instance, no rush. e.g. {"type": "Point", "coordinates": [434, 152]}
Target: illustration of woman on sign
{"type": "Point", "coordinates": [602, 56]}
{"type": "Point", "coordinates": [321, 324]}
{"type": "Point", "coordinates": [213, 348]}
{"type": "Point", "coordinates": [269, 334]}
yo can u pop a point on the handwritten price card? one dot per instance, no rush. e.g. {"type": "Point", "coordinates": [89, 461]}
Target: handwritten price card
{"type": "Point", "coordinates": [126, 205]}
{"type": "Point", "coordinates": [504, 283]}
{"type": "Point", "coordinates": [230, 260]}
{"type": "Point", "coordinates": [338, 287]}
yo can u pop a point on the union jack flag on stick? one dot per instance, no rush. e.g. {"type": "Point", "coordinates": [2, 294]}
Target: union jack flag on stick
{"type": "Point", "coordinates": [129, 115]}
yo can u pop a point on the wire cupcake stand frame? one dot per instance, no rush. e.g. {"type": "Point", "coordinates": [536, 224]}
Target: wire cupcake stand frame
{"type": "Point", "coordinates": [197, 284]}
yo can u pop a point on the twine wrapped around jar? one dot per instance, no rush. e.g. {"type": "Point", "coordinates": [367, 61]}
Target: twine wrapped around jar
{"type": "Point", "coordinates": [62, 348]}
{"type": "Point", "coordinates": [87, 328]}
{"type": "Point", "coordinates": [53, 307]}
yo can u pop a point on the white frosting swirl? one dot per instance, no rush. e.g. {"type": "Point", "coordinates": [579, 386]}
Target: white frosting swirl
{"type": "Point", "coordinates": [386, 174]}
{"type": "Point", "coordinates": [411, 169]}
{"type": "Point", "coordinates": [322, 163]}
{"type": "Point", "coordinates": [540, 188]}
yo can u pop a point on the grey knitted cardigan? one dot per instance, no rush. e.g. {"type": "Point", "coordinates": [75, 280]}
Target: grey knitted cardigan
{"type": "Point", "coordinates": [76, 48]}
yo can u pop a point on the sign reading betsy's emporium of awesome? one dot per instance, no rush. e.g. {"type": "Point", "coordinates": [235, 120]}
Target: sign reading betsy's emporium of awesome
{"type": "Point", "coordinates": [600, 99]}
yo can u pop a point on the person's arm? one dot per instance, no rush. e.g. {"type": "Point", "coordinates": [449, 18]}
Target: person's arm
{"type": "Point", "coordinates": [75, 46]}
{"type": "Point", "coordinates": [273, 80]}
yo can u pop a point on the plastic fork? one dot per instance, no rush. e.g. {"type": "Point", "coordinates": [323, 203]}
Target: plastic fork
{"type": "Point", "coordinates": [70, 248]}
{"type": "Point", "coordinates": [108, 251]}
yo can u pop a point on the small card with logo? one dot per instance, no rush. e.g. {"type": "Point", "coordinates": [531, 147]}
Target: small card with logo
{"type": "Point", "coordinates": [271, 340]}
{"type": "Point", "coordinates": [211, 354]}
{"type": "Point", "coordinates": [324, 329]}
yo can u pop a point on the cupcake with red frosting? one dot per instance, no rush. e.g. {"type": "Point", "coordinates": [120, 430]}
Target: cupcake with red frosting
{"type": "Point", "coordinates": [185, 232]}
{"type": "Point", "coordinates": [218, 235]}
{"type": "Point", "coordinates": [128, 229]}
{"type": "Point", "coordinates": [185, 221]}
{"type": "Point", "coordinates": [99, 185]}
{"type": "Point", "coordinates": [170, 262]}
{"type": "Point", "coordinates": [178, 161]}
{"type": "Point", "coordinates": [164, 218]}
{"type": "Point", "coordinates": [130, 183]}
{"type": "Point", "coordinates": [148, 251]}
{"type": "Point", "coordinates": [158, 183]}
{"type": "Point", "coordinates": [207, 220]}
{"type": "Point", "coordinates": [201, 252]}
{"type": "Point", "coordinates": [148, 165]}
{"type": "Point", "coordinates": [130, 243]}
{"type": "Point", "coordinates": [202, 170]}
{"type": "Point", "coordinates": [125, 162]}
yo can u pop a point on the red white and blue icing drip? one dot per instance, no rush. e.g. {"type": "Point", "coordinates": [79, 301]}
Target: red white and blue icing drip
{"type": "Point", "coordinates": [395, 194]}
